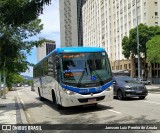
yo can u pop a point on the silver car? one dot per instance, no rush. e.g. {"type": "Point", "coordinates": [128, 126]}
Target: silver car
{"type": "Point", "coordinates": [145, 82]}
{"type": "Point", "coordinates": [128, 87]}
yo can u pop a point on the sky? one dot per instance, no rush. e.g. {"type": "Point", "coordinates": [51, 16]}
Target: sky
{"type": "Point", "coordinates": [51, 31]}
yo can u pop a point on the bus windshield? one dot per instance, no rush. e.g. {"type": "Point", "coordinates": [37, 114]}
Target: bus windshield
{"type": "Point", "coordinates": [85, 68]}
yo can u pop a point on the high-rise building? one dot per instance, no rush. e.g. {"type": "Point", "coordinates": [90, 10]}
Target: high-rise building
{"type": "Point", "coordinates": [71, 27]}
{"type": "Point", "coordinates": [45, 49]}
{"type": "Point", "coordinates": [106, 22]}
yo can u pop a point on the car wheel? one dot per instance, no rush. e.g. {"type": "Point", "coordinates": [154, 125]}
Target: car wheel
{"type": "Point", "coordinates": [40, 97]}
{"type": "Point", "coordinates": [142, 97]}
{"type": "Point", "coordinates": [120, 95]}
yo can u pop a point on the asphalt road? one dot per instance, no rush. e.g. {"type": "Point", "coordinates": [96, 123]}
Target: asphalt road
{"type": "Point", "coordinates": [128, 111]}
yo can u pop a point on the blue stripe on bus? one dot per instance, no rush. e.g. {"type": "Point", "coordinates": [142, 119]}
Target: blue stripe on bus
{"type": "Point", "coordinates": [87, 90]}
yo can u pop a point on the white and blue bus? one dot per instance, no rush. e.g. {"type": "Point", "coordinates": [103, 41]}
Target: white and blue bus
{"type": "Point", "coordinates": [74, 76]}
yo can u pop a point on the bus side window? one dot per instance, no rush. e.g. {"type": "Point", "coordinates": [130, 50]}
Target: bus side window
{"type": "Point", "coordinates": [45, 67]}
{"type": "Point", "coordinates": [54, 68]}
{"type": "Point", "coordinates": [50, 67]}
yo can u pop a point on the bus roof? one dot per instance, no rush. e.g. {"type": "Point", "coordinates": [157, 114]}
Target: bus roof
{"type": "Point", "coordinates": [79, 49]}
{"type": "Point", "coordinates": [74, 50]}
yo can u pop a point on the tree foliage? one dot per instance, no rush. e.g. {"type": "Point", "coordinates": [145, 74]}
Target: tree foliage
{"type": "Point", "coordinates": [13, 78]}
{"type": "Point", "coordinates": [129, 44]}
{"type": "Point", "coordinates": [126, 47]}
{"type": "Point", "coordinates": [153, 49]}
{"type": "Point", "coordinates": [18, 22]}
{"type": "Point", "coordinates": [17, 12]}
{"type": "Point", "coordinates": [14, 45]}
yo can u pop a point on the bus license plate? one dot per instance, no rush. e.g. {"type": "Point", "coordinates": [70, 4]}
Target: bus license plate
{"type": "Point", "coordinates": [91, 100]}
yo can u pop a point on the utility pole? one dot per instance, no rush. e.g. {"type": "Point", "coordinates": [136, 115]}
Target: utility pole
{"type": "Point", "coordinates": [139, 73]}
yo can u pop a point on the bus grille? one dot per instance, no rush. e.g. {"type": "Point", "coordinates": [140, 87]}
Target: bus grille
{"type": "Point", "coordinates": [86, 99]}
{"type": "Point", "coordinates": [90, 93]}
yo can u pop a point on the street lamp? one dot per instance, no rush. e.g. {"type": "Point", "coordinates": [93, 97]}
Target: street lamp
{"type": "Point", "coordinates": [138, 43]}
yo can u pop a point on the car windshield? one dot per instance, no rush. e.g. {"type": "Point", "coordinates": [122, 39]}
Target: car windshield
{"type": "Point", "coordinates": [126, 80]}
{"type": "Point", "coordinates": [85, 67]}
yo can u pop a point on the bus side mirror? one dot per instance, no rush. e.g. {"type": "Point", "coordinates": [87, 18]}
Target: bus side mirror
{"type": "Point", "coordinates": [114, 82]}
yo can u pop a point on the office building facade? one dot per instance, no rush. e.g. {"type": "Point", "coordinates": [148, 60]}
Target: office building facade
{"type": "Point", "coordinates": [106, 22]}
{"type": "Point", "coordinates": [45, 49]}
{"type": "Point", "coordinates": [71, 27]}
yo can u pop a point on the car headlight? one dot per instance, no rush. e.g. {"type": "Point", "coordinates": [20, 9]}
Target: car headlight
{"type": "Point", "coordinates": [69, 92]}
{"type": "Point", "coordinates": [145, 88]}
{"type": "Point", "coordinates": [128, 88]}
{"type": "Point", "coordinates": [109, 88]}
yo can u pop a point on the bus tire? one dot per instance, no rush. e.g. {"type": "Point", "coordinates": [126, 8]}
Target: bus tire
{"type": "Point", "coordinates": [40, 97]}
{"type": "Point", "coordinates": [55, 101]}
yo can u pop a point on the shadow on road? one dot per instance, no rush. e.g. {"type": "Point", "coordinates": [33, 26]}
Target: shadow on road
{"type": "Point", "coordinates": [130, 99]}
{"type": "Point", "coordinates": [76, 109]}
{"type": "Point", "coordinates": [129, 120]}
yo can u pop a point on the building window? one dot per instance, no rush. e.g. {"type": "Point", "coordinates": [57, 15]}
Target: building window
{"type": "Point", "coordinates": [144, 5]}
{"type": "Point", "coordinates": [129, 66]}
{"type": "Point", "coordinates": [155, 3]}
{"type": "Point", "coordinates": [156, 13]}
{"type": "Point", "coordinates": [144, 15]}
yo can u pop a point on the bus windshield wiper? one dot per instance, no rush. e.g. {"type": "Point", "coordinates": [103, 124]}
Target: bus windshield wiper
{"type": "Point", "coordinates": [101, 80]}
{"type": "Point", "coordinates": [80, 79]}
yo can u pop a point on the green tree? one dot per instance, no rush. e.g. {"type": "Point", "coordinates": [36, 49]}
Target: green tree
{"type": "Point", "coordinates": [153, 49]}
{"type": "Point", "coordinates": [17, 12]}
{"type": "Point", "coordinates": [13, 78]}
{"type": "Point", "coordinates": [14, 45]}
{"type": "Point", "coordinates": [129, 44]}
{"type": "Point", "coordinates": [18, 22]}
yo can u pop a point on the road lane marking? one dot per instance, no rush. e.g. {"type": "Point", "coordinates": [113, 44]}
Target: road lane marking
{"type": "Point", "coordinates": [22, 101]}
{"type": "Point", "coordinates": [152, 102]}
{"type": "Point", "coordinates": [28, 115]}
{"type": "Point", "coordinates": [18, 94]}
{"type": "Point", "coordinates": [115, 111]}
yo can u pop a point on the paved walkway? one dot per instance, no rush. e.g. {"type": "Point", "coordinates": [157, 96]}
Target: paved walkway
{"type": "Point", "coordinates": [8, 109]}
{"type": "Point", "coordinates": [11, 111]}
{"type": "Point", "coordinates": [153, 88]}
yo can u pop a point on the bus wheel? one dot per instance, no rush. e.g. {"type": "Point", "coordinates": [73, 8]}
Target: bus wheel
{"type": "Point", "coordinates": [55, 101]}
{"type": "Point", "coordinates": [40, 97]}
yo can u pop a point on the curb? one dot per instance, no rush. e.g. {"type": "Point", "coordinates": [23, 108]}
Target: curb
{"type": "Point", "coordinates": [154, 91]}
{"type": "Point", "coordinates": [22, 113]}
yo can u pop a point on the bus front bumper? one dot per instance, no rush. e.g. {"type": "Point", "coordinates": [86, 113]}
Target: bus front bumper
{"type": "Point", "coordinates": [79, 99]}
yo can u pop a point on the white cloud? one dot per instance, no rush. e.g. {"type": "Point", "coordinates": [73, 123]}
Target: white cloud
{"type": "Point", "coordinates": [50, 18]}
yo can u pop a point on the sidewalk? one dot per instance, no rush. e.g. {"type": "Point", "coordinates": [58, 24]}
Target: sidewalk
{"type": "Point", "coordinates": [153, 88]}
{"type": "Point", "coordinates": [11, 111]}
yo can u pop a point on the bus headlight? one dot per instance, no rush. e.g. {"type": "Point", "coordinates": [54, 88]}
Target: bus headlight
{"type": "Point", "coordinates": [69, 92]}
{"type": "Point", "coordinates": [109, 88]}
